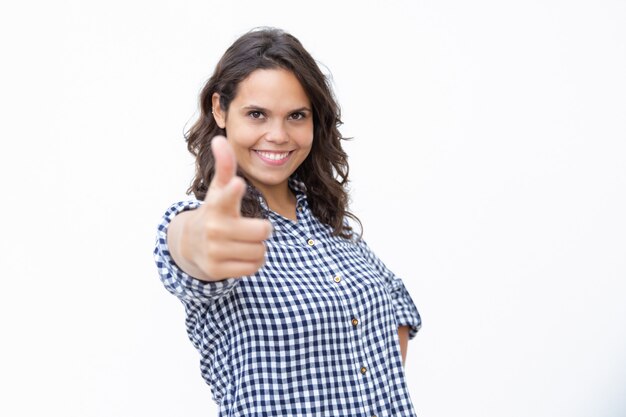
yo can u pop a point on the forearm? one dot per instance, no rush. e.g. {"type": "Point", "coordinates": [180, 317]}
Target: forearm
{"type": "Point", "coordinates": [403, 335]}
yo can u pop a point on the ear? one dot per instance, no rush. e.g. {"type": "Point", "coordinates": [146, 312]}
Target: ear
{"type": "Point", "coordinates": [218, 114]}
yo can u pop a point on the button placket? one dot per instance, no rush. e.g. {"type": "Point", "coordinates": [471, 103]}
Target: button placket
{"type": "Point", "coordinates": [352, 320]}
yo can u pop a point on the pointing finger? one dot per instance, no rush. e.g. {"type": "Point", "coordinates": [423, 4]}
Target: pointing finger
{"type": "Point", "coordinates": [248, 230]}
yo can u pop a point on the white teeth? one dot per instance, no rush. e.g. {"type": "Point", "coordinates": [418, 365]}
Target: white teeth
{"type": "Point", "coordinates": [273, 156]}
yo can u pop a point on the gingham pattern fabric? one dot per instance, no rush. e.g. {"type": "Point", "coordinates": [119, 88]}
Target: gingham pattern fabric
{"type": "Point", "coordinates": [313, 333]}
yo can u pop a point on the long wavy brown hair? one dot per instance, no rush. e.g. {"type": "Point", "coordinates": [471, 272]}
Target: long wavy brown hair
{"type": "Point", "coordinates": [325, 170]}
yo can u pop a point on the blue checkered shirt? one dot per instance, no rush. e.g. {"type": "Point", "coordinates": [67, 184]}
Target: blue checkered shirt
{"type": "Point", "coordinates": [312, 333]}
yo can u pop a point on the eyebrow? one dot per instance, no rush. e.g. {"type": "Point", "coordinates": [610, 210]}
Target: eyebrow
{"type": "Point", "coordinates": [264, 110]}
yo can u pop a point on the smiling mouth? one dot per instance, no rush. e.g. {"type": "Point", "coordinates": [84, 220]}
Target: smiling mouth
{"type": "Point", "coordinates": [273, 158]}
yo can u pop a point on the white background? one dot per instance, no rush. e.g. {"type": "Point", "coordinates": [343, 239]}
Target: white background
{"type": "Point", "coordinates": [488, 167]}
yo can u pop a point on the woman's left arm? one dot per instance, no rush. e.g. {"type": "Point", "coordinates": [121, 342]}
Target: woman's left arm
{"type": "Point", "coordinates": [407, 317]}
{"type": "Point", "coordinates": [403, 333]}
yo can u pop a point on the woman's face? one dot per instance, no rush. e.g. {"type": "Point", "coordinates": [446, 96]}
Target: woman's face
{"type": "Point", "coordinates": [269, 125]}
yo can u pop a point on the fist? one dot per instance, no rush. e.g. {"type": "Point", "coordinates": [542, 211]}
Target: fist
{"type": "Point", "coordinates": [219, 242]}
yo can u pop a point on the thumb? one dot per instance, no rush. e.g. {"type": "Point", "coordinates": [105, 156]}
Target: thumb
{"type": "Point", "coordinates": [226, 189]}
{"type": "Point", "coordinates": [225, 162]}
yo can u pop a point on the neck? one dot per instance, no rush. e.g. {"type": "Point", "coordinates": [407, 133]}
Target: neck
{"type": "Point", "coordinates": [280, 199]}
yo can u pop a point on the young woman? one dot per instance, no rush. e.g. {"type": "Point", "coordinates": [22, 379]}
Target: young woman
{"type": "Point", "coordinates": [291, 312]}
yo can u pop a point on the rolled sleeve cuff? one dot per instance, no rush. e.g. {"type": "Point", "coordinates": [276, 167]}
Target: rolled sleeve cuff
{"type": "Point", "coordinates": [405, 310]}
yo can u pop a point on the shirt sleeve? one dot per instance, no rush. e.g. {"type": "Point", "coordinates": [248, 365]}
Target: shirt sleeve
{"type": "Point", "coordinates": [177, 281]}
{"type": "Point", "coordinates": [405, 309]}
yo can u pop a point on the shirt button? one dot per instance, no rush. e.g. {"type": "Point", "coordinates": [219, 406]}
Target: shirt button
{"type": "Point", "coordinates": [355, 322]}
{"type": "Point", "coordinates": [337, 278]}
{"type": "Point", "coordinates": [363, 370]}
{"type": "Point", "coordinates": [300, 209]}
{"type": "Point", "coordinates": [310, 242]}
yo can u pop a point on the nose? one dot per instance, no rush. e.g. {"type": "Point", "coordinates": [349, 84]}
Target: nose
{"type": "Point", "coordinates": [277, 133]}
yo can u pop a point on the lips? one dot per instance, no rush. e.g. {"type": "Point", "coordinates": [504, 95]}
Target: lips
{"type": "Point", "coordinates": [273, 158]}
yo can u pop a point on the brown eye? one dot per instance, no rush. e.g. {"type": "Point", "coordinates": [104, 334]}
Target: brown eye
{"type": "Point", "coordinates": [297, 116]}
{"type": "Point", "coordinates": [255, 114]}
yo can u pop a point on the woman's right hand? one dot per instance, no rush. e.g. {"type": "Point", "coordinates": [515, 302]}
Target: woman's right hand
{"type": "Point", "coordinates": [214, 241]}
